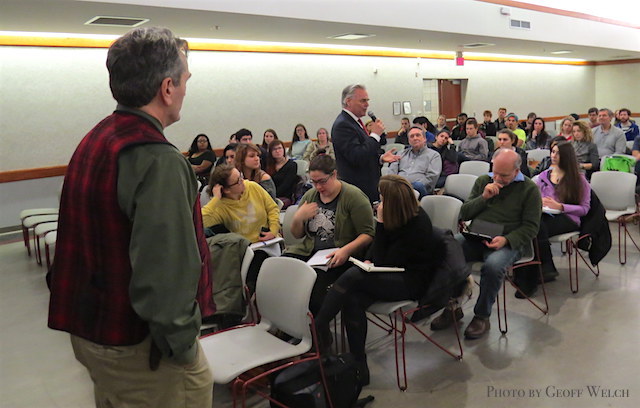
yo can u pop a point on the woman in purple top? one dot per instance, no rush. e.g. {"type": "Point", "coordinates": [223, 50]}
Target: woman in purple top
{"type": "Point", "coordinates": [566, 196]}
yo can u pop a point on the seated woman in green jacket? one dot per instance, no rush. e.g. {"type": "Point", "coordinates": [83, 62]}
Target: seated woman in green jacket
{"type": "Point", "coordinates": [333, 214]}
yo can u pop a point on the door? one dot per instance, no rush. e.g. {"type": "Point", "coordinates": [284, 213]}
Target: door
{"type": "Point", "coordinates": [450, 99]}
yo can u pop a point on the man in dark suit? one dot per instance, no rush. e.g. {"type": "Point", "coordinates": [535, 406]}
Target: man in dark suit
{"type": "Point", "coordinates": [358, 153]}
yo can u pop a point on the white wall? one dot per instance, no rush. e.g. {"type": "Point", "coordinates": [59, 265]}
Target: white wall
{"type": "Point", "coordinates": [618, 86]}
{"type": "Point", "coordinates": [20, 195]}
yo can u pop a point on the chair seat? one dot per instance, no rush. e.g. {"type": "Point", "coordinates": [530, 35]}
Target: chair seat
{"type": "Point", "coordinates": [386, 308]}
{"type": "Point", "coordinates": [45, 227]}
{"type": "Point", "coordinates": [50, 238]}
{"type": "Point", "coordinates": [233, 352]}
{"type": "Point", "coordinates": [564, 237]}
{"type": "Point", "coordinates": [29, 222]}
{"type": "Point", "coordinates": [613, 215]}
{"type": "Point", "coordinates": [37, 211]}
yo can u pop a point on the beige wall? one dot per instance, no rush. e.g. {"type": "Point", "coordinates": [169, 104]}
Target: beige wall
{"type": "Point", "coordinates": [618, 86]}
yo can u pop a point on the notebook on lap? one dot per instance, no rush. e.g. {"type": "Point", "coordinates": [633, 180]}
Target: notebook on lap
{"type": "Point", "coordinates": [480, 230]}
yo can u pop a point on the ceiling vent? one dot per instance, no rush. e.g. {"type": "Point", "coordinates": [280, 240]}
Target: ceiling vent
{"type": "Point", "coordinates": [521, 24]}
{"type": "Point", "coordinates": [477, 45]}
{"type": "Point", "coordinates": [117, 21]}
{"type": "Point", "coordinates": [351, 36]}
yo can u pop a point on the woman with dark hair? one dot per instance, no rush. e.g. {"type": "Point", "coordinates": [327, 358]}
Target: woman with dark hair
{"type": "Point", "coordinates": [284, 172]}
{"type": "Point", "coordinates": [268, 136]}
{"type": "Point", "coordinates": [201, 157]}
{"type": "Point", "coordinates": [537, 136]}
{"type": "Point", "coordinates": [248, 163]}
{"type": "Point", "coordinates": [299, 142]}
{"type": "Point", "coordinates": [228, 155]}
{"type": "Point", "coordinates": [404, 238]}
{"type": "Point", "coordinates": [448, 154]}
{"type": "Point", "coordinates": [586, 150]}
{"type": "Point", "coordinates": [322, 144]}
{"type": "Point", "coordinates": [332, 215]}
{"type": "Point", "coordinates": [566, 196]}
{"type": "Point", "coordinates": [545, 163]}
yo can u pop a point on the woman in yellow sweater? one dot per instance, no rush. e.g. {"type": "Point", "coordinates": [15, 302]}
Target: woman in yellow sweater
{"type": "Point", "coordinates": [242, 207]}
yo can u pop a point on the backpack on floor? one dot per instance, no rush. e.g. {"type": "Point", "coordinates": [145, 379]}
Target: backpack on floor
{"type": "Point", "coordinates": [299, 386]}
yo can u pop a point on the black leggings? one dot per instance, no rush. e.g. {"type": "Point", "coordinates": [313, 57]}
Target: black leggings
{"type": "Point", "coordinates": [353, 292]}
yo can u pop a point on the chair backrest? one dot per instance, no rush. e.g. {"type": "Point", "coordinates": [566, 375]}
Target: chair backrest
{"type": "Point", "coordinates": [283, 291]}
{"type": "Point", "coordinates": [538, 154]}
{"type": "Point", "coordinates": [459, 185]}
{"type": "Point", "coordinates": [398, 146]}
{"type": "Point", "coordinates": [289, 239]}
{"type": "Point", "coordinates": [630, 145]}
{"type": "Point", "coordinates": [443, 211]}
{"type": "Point", "coordinates": [475, 167]}
{"type": "Point", "coordinates": [244, 268]}
{"type": "Point", "coordinates": [615, 189]}
{"type": "Point", "coordinates": [302, 168]}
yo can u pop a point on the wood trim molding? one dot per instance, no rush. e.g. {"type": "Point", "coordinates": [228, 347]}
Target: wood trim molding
{"type": "Point", "coordinates": [30, 174]}
{"type": "Point", "coordinates": [566, 13]}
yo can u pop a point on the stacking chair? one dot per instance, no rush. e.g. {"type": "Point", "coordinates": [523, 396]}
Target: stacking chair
{"type": "Point", "coordinates": [401, 311]}
{"type": "Point", "coordinates": [444, 211]}
{"type": "Point", "coordinates": [532, 257]}
{"type": "Point", "coordinates": [398, 146]}
{"type": "Point", "coordinates": [282, 295]}
{"type": "Point", "coordinates": [538, 154]}
{"type": "Point", "coordinates": [30, 222]}
{"type": "Point", "coordinates": [39, 232]}
{"type": "Point", "coordinates": [49, 241]}
{"type": "Point", "coordinates": [475, 167]}
{"type": "Point", "coordinates": [289, 239]}
{"type": "Point", "coordinates": [302, 168]}
{"type": "Point", "coordinates": [616, 191]}
{"type": "Point", "coordinates": [252, 313]}
{"type": "Point", "coordinates": [459, 185]}
{"type": "Point", "coordinates": [33, 212]}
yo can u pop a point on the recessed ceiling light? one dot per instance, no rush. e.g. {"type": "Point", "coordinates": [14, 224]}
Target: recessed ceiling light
{"type": "Point", "coordinates": [351, 36]}
{"type": "Point", "coordinates": [559, 52]}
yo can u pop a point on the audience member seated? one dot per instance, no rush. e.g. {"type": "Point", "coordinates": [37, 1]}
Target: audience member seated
{"type": "Point", "coordinates": [608, 138]}
{"type": "Point", "coordinates": [426, 124]}
{"type": "Point", "coordinates": [402, 137]}
{"type": "Point", "coordinates": [503, 197]}
{"type": "Point", "coordinates": [248, 163]}
{"type": "Point", "coordinates": [586, 150]}
{"type": "Point", "coordinates": [242, 207]}
{"type": "Point", "coordinates": [233, 139]}
{"type": "Point", "coordinates": [442, 124]}
{"type": "Point", "coordinates": [448, 155]}
{"type": "Point", "coordinates": [244, 137]}
{"type": "Point", "coordinates": [545, 163]}
{"type": "Point", "coordinates": [333, 214]}
{"type": "Point", "coordinates": [512, 125]}
{"type": "Point", "coordinates": [628, 126]}
{"type": "Point", "coordinates": [323, 143]}
{"type": "Point", "coordinates": [459, 130]}
{"type": "Point", "coordinates": [537, 136]}
{"type": "Point", "coordinates": [201, 157]}
{"type": "Point", "coordinates": [299, 142]}
{"type": "Point", "coordinates": [473, 146]}
{"type": "Point", "coordinates": [527, 125]}
{"type": "Point", "coordinates": [566, 128]}
{"type": "Point", "coordinates": [268, 136]}
{"type": "Point", "coordinates": [228, 155]}
{"type": "Point", "coordinates": [501, 120]}
{"type": "Point", "coordinates": [488, 127]}
{"type": "Point", "coordinates": [563, 189]}
{"type": "Point", "coordinates": [507, 140]}
{"type": "Point", "coordinates": [592, 120]}
{"type": "Point", "coordinates": [418, 164]}
{"type": "Point", "coordinates": [404, 238]}
{"type": "Point", "coordinates": [283, 172]}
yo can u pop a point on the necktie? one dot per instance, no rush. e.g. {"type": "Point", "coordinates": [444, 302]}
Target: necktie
{"type": "Point", "coordinates": [363, 127]}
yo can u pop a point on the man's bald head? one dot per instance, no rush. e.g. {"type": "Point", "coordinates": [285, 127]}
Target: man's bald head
{"type": "Point", "coordinates": [506, 165]}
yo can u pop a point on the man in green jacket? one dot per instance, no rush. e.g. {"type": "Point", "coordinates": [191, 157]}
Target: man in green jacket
{"type": "Point", "coordinates": [504, 197]}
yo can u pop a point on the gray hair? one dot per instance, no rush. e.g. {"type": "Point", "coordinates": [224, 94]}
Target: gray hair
{"type": "Point", "coordinates": [609, 111]}
{"type": "Point", "coordinates": [140, 60]}
{"type": "Point", "coordinates": [420, 128]}
{"type": "Point", "coordinates": [348, 92]}
{"type": "Point", "coordinates": [502, 150]}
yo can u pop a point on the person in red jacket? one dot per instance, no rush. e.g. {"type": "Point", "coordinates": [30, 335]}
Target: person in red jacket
{"type": "Point", "coordinates": [131, 256]}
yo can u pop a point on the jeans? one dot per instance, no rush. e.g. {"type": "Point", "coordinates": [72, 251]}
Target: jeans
{"type": "Point", "coordinates": [420, 188]}
{"type": "Point", "coordinates": [492, 273]}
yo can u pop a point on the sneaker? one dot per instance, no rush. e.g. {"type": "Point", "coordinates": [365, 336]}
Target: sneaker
{"type": "Point", "coordinates": [446, 318]}
{"type": "Point", "coordinates": [477, 328]}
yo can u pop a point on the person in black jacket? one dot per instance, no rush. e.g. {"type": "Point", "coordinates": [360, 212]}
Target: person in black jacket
{"type": "Point", "coordinates": [404, 238]}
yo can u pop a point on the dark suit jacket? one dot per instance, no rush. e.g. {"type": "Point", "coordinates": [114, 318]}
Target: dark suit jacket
{"type": "Point", "coordinates": [357, 155]}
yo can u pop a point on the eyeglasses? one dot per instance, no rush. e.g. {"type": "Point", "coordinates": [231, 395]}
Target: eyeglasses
{"type": "Point", "coordinates": [240, 179]}
{"type": "Point", "coordinates": [322, 181]}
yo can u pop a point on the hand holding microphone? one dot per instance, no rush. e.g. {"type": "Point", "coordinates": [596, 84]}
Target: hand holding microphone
{"type": "Point", "coordinates": [377, 126]}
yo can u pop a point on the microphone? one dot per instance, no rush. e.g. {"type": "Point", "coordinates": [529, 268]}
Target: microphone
{"type": "Point", "coordinates": [383, 136]}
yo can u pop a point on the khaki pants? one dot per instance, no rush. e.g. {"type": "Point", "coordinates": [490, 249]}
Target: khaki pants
{"type": "Point", "coordinates": [122, 377]}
